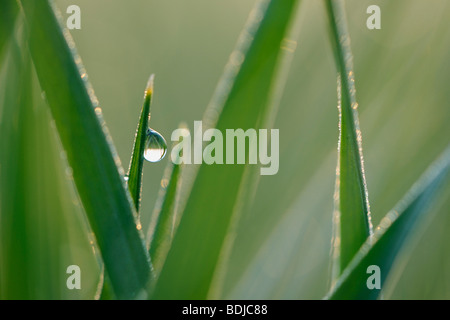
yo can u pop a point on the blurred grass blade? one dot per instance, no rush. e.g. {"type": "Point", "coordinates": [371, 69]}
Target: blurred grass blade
{"type": "Point", "coordinates": [135, 170]}
{"type": "Point", "coordinates": [38, 217]}
{"type": "Point", "coordinates": [392, 233]}
{"type": "Point", "coordinates": [97, 171]}
{"type": "Point", "coordinates": [8, 14]}
{"type": "Point", "coordinates": [242, 100]}
{"type": "Point", "coordinates": [351, 217]}
{"type": "Point", "coordinates": [160, 235]}
{"type": "Point", "coordinates": [14, 283]}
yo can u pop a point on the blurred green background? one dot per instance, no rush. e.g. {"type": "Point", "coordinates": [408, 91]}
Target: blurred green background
{"type": "Point", "coordinates": [283, 241]}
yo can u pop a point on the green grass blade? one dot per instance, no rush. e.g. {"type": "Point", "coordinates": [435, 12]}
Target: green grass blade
{"type": "Point", "coordinates": [135, 170]}
{"type": "Point", "coordinates": [242, 100]}
{"type": "Point", "coordinates": [392, 233]}
{"type": "Point", "coordinates": [8, 14]}
{"type": "Point", "coordinates": [38, 217]}
{"type": "Point", "coordinates": [107, 292]}
{"type": "Point", "coordinates": [160, 235]}
{"type": "Point", "coordinates": [351, 217]}
{"type": "Point", "coordinates": [14, 283]}
{"type": "Point", "coordinates": [97, 171]}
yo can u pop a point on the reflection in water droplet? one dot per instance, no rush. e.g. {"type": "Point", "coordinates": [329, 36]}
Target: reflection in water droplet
{"type": "Point", "coordinates": [155, 146]}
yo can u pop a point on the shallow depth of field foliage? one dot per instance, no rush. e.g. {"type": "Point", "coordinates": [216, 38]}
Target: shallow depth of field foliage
{"type": "Point", "coordinates": [65, 148]}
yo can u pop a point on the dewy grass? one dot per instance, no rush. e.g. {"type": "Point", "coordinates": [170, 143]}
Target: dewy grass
{"type": "Point", "coordinates": [351, 217]}
{"type": "Point", "coordinates": [135, 172]}
{"type": "Point", "coordinates": [193, 226]}
{"type": "Point", "coordinates": [392, 233]}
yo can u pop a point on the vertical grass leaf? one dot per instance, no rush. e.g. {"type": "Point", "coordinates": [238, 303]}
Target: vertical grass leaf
{"type": "Point", "coordinates": [14, 282]}
{"type": "Point", "coordinates": [135, 170]}
{"type": "Point", "coordinates": [97, 172]}
{"type": "Point", "coordinates": [351, 217]}
{"type": "Point", "coordinates": [390, 236]}
{"type": "Point", "coordinates": [166, 215]}
{"type": "Point", "coordinates": [242, 100]}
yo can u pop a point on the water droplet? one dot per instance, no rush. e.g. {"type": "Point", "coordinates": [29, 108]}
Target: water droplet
{"type": "Point", "coordinates": [155, 146]}
{"type": "Point", "coordinates": [126, 178]}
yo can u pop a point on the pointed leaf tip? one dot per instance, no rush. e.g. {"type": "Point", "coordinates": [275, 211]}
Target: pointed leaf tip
{"type": "Point", "coordinates": [149, 87]}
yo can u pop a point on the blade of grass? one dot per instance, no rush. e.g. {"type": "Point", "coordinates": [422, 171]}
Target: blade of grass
{"type": "Point", "coordinates": [97, 171]}
{"type": "Point", "coordinates": [392, 233]}
{"type": "Point", "coordinates": [351, 217]}
{"type": "Point", "coordinates": [14, 279]}
{"type": "Point", "coordinates": [166, 216]}
{"type": "Point", "coordinates": [34, 204]}
{"type": "Point", "coordinates": [8, 14]}
{"type": "Point", "coordinates": [135, 170]}
{"type": "Point", "coordinates": [107, 291]}
{"type": "Point", "coordinates": [242, 100]}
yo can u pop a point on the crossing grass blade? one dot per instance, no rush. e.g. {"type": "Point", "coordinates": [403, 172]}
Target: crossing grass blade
{"type": "Point", "coordinates": [97, 172]}
{"type": "Point", "coordinates": [392, 233]}
{"type": "Point", "coordinates": [242, 100]}
{"type": "Point", "coordinates": [351, 217]}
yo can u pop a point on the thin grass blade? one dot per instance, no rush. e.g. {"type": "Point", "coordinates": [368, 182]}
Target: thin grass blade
{"type": "Point", "coordinates": [351, 217]}
{"type": "Point", "coordinates": [14, 283]}
{"type": "Point", "coordinates": [135, 170]}
{"type": "Point", "coordinates": [166, 214]}
{"type": "Point", "coordinates": [97, 171]}
{"type": "Point", "coordinates": [392, 233]}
